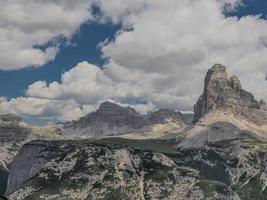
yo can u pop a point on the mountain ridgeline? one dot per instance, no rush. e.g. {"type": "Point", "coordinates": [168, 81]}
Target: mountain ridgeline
{"type": "Point", "coordinates": [112, 119]}
{"type": "Point", "coordinates": [120, 154]}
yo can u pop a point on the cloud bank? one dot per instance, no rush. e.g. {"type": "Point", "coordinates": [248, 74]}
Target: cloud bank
{"type": "Point", "coordinates": [158, 59]}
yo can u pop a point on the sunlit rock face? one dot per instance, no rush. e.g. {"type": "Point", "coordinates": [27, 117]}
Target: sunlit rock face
{"type": "Point", "coordinates": [221, 92]}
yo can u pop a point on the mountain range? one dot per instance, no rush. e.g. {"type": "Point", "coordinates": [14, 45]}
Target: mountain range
{"type": "Point", "coordinates": [118, 153]}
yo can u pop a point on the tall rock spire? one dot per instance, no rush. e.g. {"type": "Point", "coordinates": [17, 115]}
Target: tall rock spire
{"type": "Point", "coordinates": [223, 93]}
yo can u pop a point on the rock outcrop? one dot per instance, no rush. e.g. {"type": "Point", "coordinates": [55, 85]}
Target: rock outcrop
{"type": "Point", "coordinates": [221, 92]}
{"type": "Point", "coordinates": [112, 119]}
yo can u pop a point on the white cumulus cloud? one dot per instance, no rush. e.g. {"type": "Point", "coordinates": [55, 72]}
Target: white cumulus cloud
{"type": "Point", "coordinates": [25, 24]}
{"type": "Point", "coordinates": [42, 108]}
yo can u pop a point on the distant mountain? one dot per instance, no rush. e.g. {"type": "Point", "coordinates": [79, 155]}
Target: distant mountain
{"type": "Point", "coordinates": [112, 119]}
{"type": "Point", "coordinates": [225, 111]}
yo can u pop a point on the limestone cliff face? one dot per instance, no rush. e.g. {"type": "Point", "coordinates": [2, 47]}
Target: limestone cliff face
{"type": "Point", "coordinates": [221, 92]}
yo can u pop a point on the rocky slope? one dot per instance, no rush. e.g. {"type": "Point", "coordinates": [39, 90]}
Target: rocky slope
{"type": "Point", "coordinates": [112, 119]}
{"type": "Point", "coordinates": [225, 111]}
{"type": "Point", "coordinates": [141, 170]}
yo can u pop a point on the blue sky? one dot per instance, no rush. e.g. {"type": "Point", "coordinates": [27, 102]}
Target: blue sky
{"type": "Point", "coordinates": [83, 47]}
{"type": "Point", "coordinates": [144, 69]}
{"type": "Point", "coordinates": [252, 7]}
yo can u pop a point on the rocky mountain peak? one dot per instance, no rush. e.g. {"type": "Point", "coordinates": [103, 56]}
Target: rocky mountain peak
{"type": "Point", "coordinates": [108, 108]}
{"type": "Point", "coordinates": [216, 72]}
{"type": "Point", "coordinates": [224, 94]}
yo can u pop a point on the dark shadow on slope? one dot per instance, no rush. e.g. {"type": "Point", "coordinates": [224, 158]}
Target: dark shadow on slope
{"type": "Point", "coordinates": [3, 181]}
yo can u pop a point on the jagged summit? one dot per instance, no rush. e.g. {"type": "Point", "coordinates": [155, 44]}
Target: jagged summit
{"type": "Point", "coordinates": [221, 92]}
